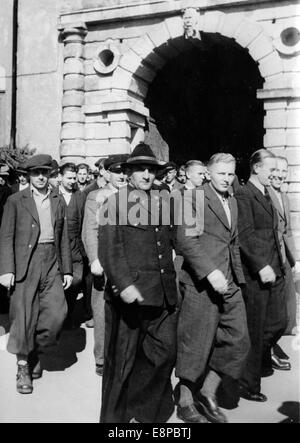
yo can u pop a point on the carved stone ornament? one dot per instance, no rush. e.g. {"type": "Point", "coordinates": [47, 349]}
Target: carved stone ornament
{"type": "Point", "coordinates": [191, 23]}
{"type": "Point", "coordinates": [107, 57]}
{"type": "Point", "coordinates": [288, 42]}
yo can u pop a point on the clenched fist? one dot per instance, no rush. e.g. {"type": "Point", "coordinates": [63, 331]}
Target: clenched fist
{"type": "Point", "coordinates": [267, 275]}
{"type": "Point", "coordinates": [131, 294]}
{"type": "Point", "coordinates": [218, 281]}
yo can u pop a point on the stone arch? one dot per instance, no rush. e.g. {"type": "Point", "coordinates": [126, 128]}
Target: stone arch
{"type": "Point", "coordinates": [140, 64]}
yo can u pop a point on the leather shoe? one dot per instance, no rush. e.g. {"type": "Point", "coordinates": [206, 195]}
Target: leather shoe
{"type": "Point", "coordinates": [99, 370]}
{"type": "Point", "coordinates": [208, 406]}
{"type": "Point", "coordinates": [24, 382]}
{"type": "Point", "coordinates": [279, 364]}
{"type": "Point", "coordinates": [37, 371]}
{"type": "Point", "coordinates": [252, 396]}
{"type": "Point", "coordinates": [189, 414]}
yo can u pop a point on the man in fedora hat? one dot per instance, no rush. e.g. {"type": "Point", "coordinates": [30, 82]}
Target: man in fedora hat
{"type": "Point", "coordinates": [95, 199]}
{"type": "Point", "coordinates": [35, 267]}
{"type": "Point", "coordinates": [140, 300]}
{"type": "Point", "coordinates": [22, 178]}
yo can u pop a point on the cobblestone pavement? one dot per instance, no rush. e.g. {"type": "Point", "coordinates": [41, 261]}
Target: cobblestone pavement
{"type": "Point", "coordinates": [70, 391]}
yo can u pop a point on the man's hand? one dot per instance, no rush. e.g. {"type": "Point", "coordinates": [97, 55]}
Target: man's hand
{"type": "Point", "coordinates": [296, 268]}
{"type": "Point", "coordinates": [67, 281]}
{"type": "Point", "coordinates": [131, 294]}
{"type": "Point", "coordinates": [267, 275]}
{"type": "Point", "coordinates": [218, 281]}
{"type": "Point", "coordinates": [96, 268]}
{"type": "Point", "coordinates": [7, 280]}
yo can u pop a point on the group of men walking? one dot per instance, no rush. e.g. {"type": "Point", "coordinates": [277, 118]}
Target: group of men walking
{"type": "Point", "coordinates": [217, 316]}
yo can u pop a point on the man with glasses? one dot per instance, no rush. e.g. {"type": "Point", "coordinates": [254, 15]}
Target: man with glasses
{"type": "Point", "coordinates": [117, 178]}
{"type": "Point", "coordinates": [36, 267]}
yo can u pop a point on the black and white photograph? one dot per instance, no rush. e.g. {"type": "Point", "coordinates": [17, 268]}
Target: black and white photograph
{"type": "Point", "coordinates": [149, 214]}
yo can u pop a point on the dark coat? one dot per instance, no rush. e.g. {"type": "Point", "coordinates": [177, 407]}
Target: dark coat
{"type": "Point", "coordinates": [75, 213]}
{"type": "Point", "coordinates": [137, 254]}
{"type": "Point", "coordinates": [216, 247]}
{"type": "Point", "coordinates": [20, 232]}
{"type": "Point", "coordinates": [5, 192]}
{"type": "Point", "coordinates": [258, 236]}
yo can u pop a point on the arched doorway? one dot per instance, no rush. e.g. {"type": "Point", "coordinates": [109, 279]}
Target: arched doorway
{"type": "Point", "coordinates": [204, 101]}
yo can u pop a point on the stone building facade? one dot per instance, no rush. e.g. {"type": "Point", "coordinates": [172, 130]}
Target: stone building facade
{"type": "Point", "coordinates": [192, 76]}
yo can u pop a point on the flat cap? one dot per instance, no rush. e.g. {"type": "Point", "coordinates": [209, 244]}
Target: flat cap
{"type": "Point", "coordinates": [40, 161]}
{"type": "Point", "coordinates": [4, 170]}
{"type": "Point", "coordinates": [115, 160]}
{"type": "Point", "coordinates": [169, 166]}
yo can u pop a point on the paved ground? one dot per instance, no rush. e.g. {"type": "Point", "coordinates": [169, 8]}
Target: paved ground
{"type": "Point", "coordinates": [70, 391]}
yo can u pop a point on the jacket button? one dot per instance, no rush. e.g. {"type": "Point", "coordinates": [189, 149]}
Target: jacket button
{"type": "Point", "coordinates": [160, 256]}
{"type": "Point", "coordinates": [156, 230]}
{"type": "Point", "coordinates": [29, 246]}
{"type": "Point", "coordinates": [32, 226]}
{"type": "Point", "coordinates": [162, 271]}
{"type": "Point", "coordinates": [158, 243]}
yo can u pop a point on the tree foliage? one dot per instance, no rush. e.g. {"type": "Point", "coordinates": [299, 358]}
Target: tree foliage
{"type": "Point", "coordinates": [13, 156]}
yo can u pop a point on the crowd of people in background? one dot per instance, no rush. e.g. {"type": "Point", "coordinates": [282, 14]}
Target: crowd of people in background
{"type": "Point", "coordinates": [212, 304]}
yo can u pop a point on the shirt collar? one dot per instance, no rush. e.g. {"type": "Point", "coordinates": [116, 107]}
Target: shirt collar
{"type": "Point", "coordinates": [36, 193]}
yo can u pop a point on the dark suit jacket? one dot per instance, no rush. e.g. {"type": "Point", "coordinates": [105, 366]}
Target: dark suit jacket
{"type": "Point", "coordinates": [284, 224]}
{"type": "Point", "coordinates": [217, 247]}
{"type": "Point", "coordinates": [5, 192]}
{"type": "Point", "coordinates": [20, 231]}
{"type": "Point", "coordinates": [137, 254]}
{"type": "Point", "coordinates": [258, 234]}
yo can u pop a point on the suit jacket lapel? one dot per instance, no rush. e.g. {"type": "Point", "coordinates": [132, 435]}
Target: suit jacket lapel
{"type": "Point", "coordinates": [276, 202]}
{"type": "Point", "coordinates": [260, 198]}
{"type": "Point", "coordinates": [286, 207]}
{"type": "Point", "coordinates": [29, 204]}
{"type": "Point", "coordinates": [54, 200]}
{"type": "Point", "coordinates": [216, 206]}
{"type": "Point", "coordinates": [234, 212]}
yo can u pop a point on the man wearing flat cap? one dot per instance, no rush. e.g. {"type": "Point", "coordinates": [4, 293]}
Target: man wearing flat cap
{"type": "Point", "coordinates": [102, 179]}
{"type": "Point", "coordinates": [95, 199]}
{"type": "Point", "coordinates": [140, 299]}
{"type": "Point", "coordinates": [35, 267]}
{"type": "Point", "coordinates": [22, 178]}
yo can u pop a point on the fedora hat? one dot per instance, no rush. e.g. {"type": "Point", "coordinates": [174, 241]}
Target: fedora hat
{"type": "Point", "coordinates": [114, 161]}
{"type": "Point", "coordinates": [4, 170]}
{"type": "Point", "coordinates": [143, 154]}
{"type": "Point", "coordinates": [40, 161]}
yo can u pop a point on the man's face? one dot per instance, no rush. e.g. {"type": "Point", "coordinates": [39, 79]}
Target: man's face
{"type": "Point", "coordinates": [117, 177]}
{"type": "Point", "coordinates": [222, 176]}
{"type": "Point", "coordinates": [22, 178]}
{"type": "Point", "coordinates": [181, 176]}
{"type": "Point", "coordinates": [55, 180]}
{"type": "Point", "coordinates": [68, 180]}
{"type": "Point", "coordinates": [2, 181]}
{"type": "Point", "coordinates": [39, 178]}
{"type": "Point", "coordinates": [142, 176]}
{"type": "Point", "coordinates": [196, 174]}
{"type": "Point", "coordinates": [170, 176]}
{"type": "Point", "coordinates": [82, 176]}
{"type": "Point", "coordinates": [104, 173]}
{"type": "Point", "coordinates": [265, 170]}
{"type": "Point", "coordinates": [280, 175]}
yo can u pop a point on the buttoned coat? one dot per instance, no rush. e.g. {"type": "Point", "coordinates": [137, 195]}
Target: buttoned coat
{"type": "Point", "coordinates": [137, 254]}
{"type": "Point", "coordinates": [258, 236]}
{"type": "Point", "coordinates": [217, 247]}
{"type": "Point", "coordinates": [284, 224]}
{"type": "Point", "coordinates": [20, 232]}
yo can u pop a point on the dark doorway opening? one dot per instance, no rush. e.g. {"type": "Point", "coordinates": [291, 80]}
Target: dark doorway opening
{"type": "Point", "coordinates": [204, 101]}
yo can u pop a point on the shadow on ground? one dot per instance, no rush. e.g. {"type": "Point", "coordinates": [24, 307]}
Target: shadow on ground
{"type": "Point", "coordinates": [291, 409]}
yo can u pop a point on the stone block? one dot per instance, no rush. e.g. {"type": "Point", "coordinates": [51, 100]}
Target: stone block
{"type": "Point", "coordinates": [72, 115]}
{"type": "Point", "coordinates": [293, 137]}
{"type": "Point", "coordinates": [92, 82]}
{"type": "Point", "coordinates": [275, 104]}
{"type": "Point", "coordinates": [121, 79]}
{"type": "Point", "coordinates": [246, 32]}
{"type": "Point", "coordinates": [294, 200]}
{"type": "Point", "coordinates": [98, 131]}
{"type": "Point", "coordinates": [119, 130]}
{"type": "Point", "coordinates": [138, 87]}
{"type": "Point", "coordinates": [73, 82]}
{"type": "Point", "coordinates": [279, 151]}
{"type": "Point", "coordinates": [91, 50]}
{"type": "Point", "coordinates": [211, 21]}
{"type": "Point", "coordinates": [159, 34]}
{"type": "Point", "coordinates": [293, 119]}
{"type": "Point", "coordinates": [291, 64]}
{"type": "Point", "coordinates": [294, 187]}
{"type": "Point", "coordinates": [97, 97]}
{"type": "Point", "coordinates": [72, 131]}
{"type": "Point", "coordinates": [73, 66]}
{"type": "Point", "coordinates": [130, 61]}
{"type": "Point", "coordinates": [72, 148]}
{"type": "Point", "coordinates": [274, 138]}
{"type": "Point", "coordinates": [89, 67]}
{"type": "Point", "coordinates": [2, 79]}
{"type": "Point", "coordinates": [105, 148]}
{"type": "Point", "coordinates": [270, 65]}
{"type": "Point", "coordinates": [294, 174]}
{"type": "Point", "coordinates": [143, 46]}
{"type": "Point", "coordinates": [174, 26]}
{"type": "Point", "coordinates": [73, 98]}
{"type": "Point", "coordinates": [275, 119]}
{"type": "Point", "coordinates": [293, 104]}
{"type": "Point", "coordinates": [295, 220]}
{"type": "Point", "coordinates": [260, 47]}
{"type": "Point", "coordinates": [73, 50]}
{"type": "Point", "coordinates": [230, 24]}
